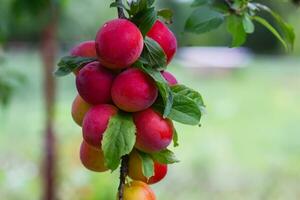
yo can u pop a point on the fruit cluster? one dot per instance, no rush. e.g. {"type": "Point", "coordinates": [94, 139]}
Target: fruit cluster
{"type": "Point", "coordinates": [112, 84]}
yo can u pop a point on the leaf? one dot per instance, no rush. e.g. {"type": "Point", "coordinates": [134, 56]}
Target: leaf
{"type": "Point", "coordinates": [187, 105]}
{"type": "Point", "coordinates": [118, 5]}
{"type": "Point", "coordinates": [118, 139]}
{"type": "Point", "coordinates": [236, 28]}
{"type": "Point", "coordinates": [137, 6]}
{"type": "Point", "coordinates": [287, 29]}
{"type": "Point", "coordinates": [145, 20]}
{"type": "Point", "coordinates": [248, 24]}
{"type": "Point", "coordinates": [175, 138]}
{"type": "Point", "coordinates": [166, 14]}
{"type": "Point", "coordinates": [154, 54]}
{"type": "Point", "coordinates": [266, 24]}
{"type": "Point", "coordinates": [203, 19]}
{"type": "Point", "coordinates": [185, 110]}
{"type": "Point", "coordinates": [190, 93]}
{"type": "Point", "coordinates": [165, 157]}
{"type": "Point", "coordinates": [163, 87]}
{"type": "Point", "coordinates": [69, 63]}
{"type": "Point", "coordinates": [199, 3]}
{"type": "Point", "coordinates": [147, 164]}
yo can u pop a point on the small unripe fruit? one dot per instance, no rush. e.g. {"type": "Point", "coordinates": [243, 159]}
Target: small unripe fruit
{"type": "Point", "coordinates": [136, 170]}
{"type": "Point", "coordinates": [119, 43]}
{"type": "Point", "coordinates": [95, 123]}
{"type": "Point", "coordinates": [170, 78]}
{"type": "Point", "coordinates": [94, 83]}
{"type": "Point", "coordinates": [133, 90]}
{"type": "Point", "coordinates": [165, 38]}
{"type": "Point", "coordinates": [79, 109]}
{"type": "Point", "coordinates": [84, 49]}
{"type": "Point", "coordinates": [92, 158]}
{"type": "Point", "coordinates": [137, 190]}
{"type": "Point", "coordinates": [153, 132]}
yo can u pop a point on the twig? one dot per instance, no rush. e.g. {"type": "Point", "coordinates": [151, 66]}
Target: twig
{"type": "Point", "coordinates": [121, 13]}
{"type": "Point", "coordinates": [123, 174]}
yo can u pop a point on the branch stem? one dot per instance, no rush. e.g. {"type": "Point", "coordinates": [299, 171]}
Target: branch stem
{"type": "Point", "coordinates": [121, 13]}
{"type": "Point", "coordinates": [123, 175]}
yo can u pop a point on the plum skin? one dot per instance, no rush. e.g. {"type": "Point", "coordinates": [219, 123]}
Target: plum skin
{"type": "Point", "coordinates": [170, 78]}
{"type": "Point", "coordinates": [95, 123]}
{"type": "Point", "coordinates": [94, 83]}
{"type": "Point", "coordinates": [136, 172]}
{"type": "Point", "coordinates": [133, 90]}
{"type": "Point", "coordinates": [84, 49]}
{"type": "Point", "coordinates": [153, 132]}
{"type": "Point", "coordinates": [165, 38]}
{"type": "Point", "coordinates": [119, 43]}
{"type": "Point", "coordinates": [92, 158]}
{"type": "Point", "coordinates": [137, 190]}
{"type": "Point", "coordinates": [79, 109]}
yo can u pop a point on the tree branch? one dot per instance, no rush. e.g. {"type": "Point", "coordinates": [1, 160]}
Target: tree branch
{"type": "Point", "coordinates": [120, 10]}
{"type": "Point", "coordinates": [123, 174]}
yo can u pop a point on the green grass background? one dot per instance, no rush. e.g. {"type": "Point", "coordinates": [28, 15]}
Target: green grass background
{"type": "Point", "coordinates": [248, 147]}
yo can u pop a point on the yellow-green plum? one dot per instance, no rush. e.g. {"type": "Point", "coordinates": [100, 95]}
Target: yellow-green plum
{"type": "Point", "coordinates": [138, 190]}
{"type": "Point", "coordinates": [79, 109]}
{"type": "Point", "coordinates": [136, 172]}
{"type": "Point", "coordinates": [92, 158]}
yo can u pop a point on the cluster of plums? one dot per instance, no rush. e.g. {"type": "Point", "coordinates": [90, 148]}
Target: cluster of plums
{"type": "Point", "coordinates": [112, 84]}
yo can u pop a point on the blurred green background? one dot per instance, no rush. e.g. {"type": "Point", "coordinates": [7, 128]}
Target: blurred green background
{"type": "Point", "coordinates": [248, 147]}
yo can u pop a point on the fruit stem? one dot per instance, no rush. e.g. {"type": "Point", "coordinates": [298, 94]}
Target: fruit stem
{"type": "Point", "coordinates": [123, 175]}
{"type": "Point", "coordinates": [120, 10]}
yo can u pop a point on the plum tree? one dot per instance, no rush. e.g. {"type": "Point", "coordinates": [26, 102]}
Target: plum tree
{"type": "Point", "coordinates": [92, 158]}
{"type": "Point", "coordinates": [137, 190]}
{"type": "Point", "coordinates": [119, 43]}
{"type": "Point", "coordinates": [153, 132]}
{"type": "Point", "coordinates": [136, 172]}
{"type": "Point", "coordinates": [79, 109]}
{"type": "Point", "coordinates": [94, 83]}
{"type": "Point", "coordinates": [95, 123]}
{"type": "Point", "coordinates": [127, 100]}
{"type": "Point", "coordinates": [133, 90]}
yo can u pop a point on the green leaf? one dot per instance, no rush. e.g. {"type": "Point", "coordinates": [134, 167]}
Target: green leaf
{"type": "Point", "coordinates": [236, 28]}
{"type": "Point", "coordinates": [166, 14]}
{"type": "Point", "coordinates": [287, 29]}
{"type": "Point", "coordinates": [187, 105]}
{"type": "Point", "coordinates": [147, 164]}
{"type": "Point", "coordinates": [154, 54]}
{"type": "Point", "coordinates": [118, 139]}
{"type": "Point", "coordinates": [165, 157]}
{"type": "Point", "coordinates": [118, 5]}
{"type": "Point", "coordinates": [248, 24]}
{"type": "Point", "coordinates": [69, 63]}
{"type": "Point", "coordinates": [162, 85]}
{"type": "Point", "coordinates": [145, 20]}
{"type": "Point", "coordinates": [204, 19]}
{"type": "Point", "coordinates": [185, 110]}
{"type": "Point", "coordinates": [175, 138]}
{"type": "Point", "coordinates": [199, 3]}
{"type": "Point", "coordinates": [266, 24]}
{"type": "Point", "coordinates": [183, 90]}
{"type": "Point", "coordinates": [137, 6]}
